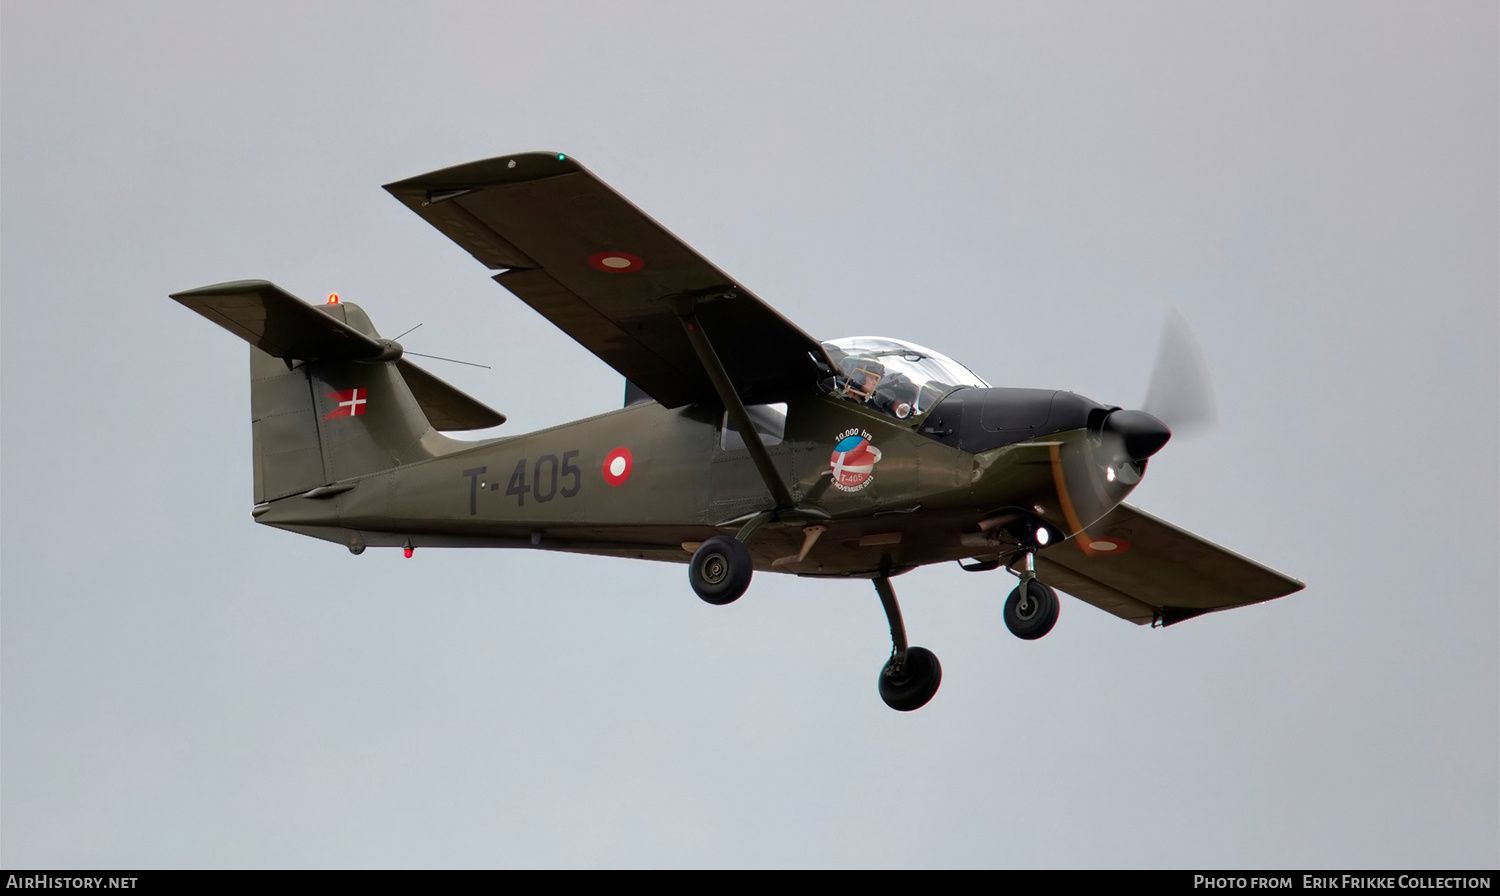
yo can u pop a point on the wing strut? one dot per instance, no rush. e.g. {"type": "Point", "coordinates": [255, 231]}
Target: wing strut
{"type": "Point", "coordinates": [736, 408]}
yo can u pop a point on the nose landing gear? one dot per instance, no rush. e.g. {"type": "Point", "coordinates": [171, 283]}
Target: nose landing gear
{"type": "Point", "coordinates": [1031, 614]}
{"type": "Point", "coordinates": [1031, 609]}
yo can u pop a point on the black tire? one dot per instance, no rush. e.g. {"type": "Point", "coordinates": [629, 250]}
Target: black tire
{"type": "Point", "coordinates": [1037, 617]}
{"type": "Point", "coordinates": [720, 570]}
{"type": "Point", "coordinates": [914, 684]}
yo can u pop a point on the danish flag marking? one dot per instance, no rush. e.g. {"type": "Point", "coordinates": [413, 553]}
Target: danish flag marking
{"type": "Point", "coordinates": [351, 403]}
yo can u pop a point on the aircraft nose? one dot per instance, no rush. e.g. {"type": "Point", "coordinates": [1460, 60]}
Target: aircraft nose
{"type": "Point", "coordinates": [1142, 434]}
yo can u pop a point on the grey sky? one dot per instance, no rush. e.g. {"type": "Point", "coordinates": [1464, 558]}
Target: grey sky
{"type": "Point", "coordinates": [1025, 187]}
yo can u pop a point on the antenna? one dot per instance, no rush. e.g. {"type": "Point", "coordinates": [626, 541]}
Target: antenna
{"type": "Point", "coordinates": [452, 360]}
{"type": "Point", "coordinates": [438, 357]}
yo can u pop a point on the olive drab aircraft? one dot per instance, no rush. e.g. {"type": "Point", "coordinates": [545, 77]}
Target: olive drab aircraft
{"type": "Point", "coordinates": [744, 444]}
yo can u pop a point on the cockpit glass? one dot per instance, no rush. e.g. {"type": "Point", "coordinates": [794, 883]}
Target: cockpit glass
{"type": "Point", "coordinates": [893, 376]}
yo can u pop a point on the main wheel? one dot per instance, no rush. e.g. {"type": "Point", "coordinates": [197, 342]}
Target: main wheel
{"type": "Point", "coordinates": [914, 683]}
{"type": "Point", "coordinates": [720, 570]}
{"type": "Point", "coordinates": [1034, 617]}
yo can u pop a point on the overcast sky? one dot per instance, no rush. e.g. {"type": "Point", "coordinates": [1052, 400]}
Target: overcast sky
{"type": "Point", "coordinates": [1025, 187]}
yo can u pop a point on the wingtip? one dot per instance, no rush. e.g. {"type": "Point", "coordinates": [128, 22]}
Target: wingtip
{"type": "Point", "coordinates": [514, 168]}
{"type": "Point", "coordinates": [228, 287]}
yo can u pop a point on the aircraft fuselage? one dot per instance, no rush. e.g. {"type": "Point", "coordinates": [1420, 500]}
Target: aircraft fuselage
{"type": "Point", "coordinates": [643, 481]}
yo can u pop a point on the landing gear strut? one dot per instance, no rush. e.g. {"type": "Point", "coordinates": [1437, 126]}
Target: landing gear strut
{"type": "Point", "coordinates": [912, 675]}
{"type": "Point", "coordinates": [1031, 609]}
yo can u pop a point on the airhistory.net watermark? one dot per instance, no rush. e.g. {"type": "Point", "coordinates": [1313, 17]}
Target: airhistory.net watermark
{"type": "Point", "coordinates": [59, 882]}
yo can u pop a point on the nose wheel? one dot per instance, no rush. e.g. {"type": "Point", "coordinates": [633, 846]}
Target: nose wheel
{"type": "Point", "coordinates": [1031, 613]}
{"type": "Point", "coordinates": [1031, 609]}
{"type": "Point", "coordinates": [911, 676]}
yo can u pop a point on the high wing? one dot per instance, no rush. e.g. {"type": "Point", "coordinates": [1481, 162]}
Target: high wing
{"type": "Point", "coordinates": [1156, 572]}
{"type": "Point", "coordinates": [612, 278]}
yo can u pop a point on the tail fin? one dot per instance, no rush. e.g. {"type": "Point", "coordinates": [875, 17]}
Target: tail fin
{"type": "Point", "coordinates": [331, 400]}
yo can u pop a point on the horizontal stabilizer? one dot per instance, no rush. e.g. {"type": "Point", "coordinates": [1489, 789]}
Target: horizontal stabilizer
{"type": "Point", "coordinates": [283, 326]}
{"type": "Point", "coordinates": [447, 408]}
{"type": "Point", "coordinates": [1146, 570]}
{"type": "Point", "coordinates": [278, 323]}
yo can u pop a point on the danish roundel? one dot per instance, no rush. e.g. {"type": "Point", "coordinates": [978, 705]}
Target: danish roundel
{"type": "Point", "coordinates": [617, 466]}
{"type": "Point", "coordinates": [616, 262]}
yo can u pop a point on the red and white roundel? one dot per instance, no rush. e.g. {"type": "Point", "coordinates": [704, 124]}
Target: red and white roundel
{"type": "Point", "coordinates": [617, 466]}
{"type": "Point", "coordinates": [616, 262]}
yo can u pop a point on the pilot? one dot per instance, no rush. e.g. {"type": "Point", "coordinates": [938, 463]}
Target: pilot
{"type": "Point", "coordinates": [861, 378]}
{"type": "Point", "coordinates": [866, 380]}
{"type": "Point", "coordinates": [895, 396]}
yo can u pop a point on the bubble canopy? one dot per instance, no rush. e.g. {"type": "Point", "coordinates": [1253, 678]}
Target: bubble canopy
{"type": "Point", "coordinates": [893, 376]}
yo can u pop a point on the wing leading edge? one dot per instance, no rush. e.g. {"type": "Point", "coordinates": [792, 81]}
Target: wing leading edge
{"type": "Point", "coordinates": [1148, 570]}
{"type": "Point", "coordinates": [611, 277]}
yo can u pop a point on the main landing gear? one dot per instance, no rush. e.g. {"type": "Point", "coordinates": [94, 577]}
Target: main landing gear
{"type": "Point", "coordinates": [720, 570]}
{"type": "Point", "coordinates": [912, 675]}
{"type": "Point", "coordinates": [1031, 609]}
